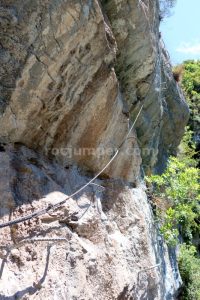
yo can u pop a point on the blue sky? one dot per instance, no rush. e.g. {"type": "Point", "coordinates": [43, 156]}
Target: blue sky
{"type": "Point", "coordinates": [181, 31]}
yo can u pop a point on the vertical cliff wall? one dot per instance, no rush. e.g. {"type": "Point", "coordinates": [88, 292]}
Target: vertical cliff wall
{"type": "Point", "coordinates": [74, 76]}
{"type": "Point", "coordinates": [145, 75]}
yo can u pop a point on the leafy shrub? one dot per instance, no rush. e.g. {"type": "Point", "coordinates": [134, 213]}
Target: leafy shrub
{"type": "Point", "coordinates": [179, 186]}
{"type": "Point", "coordinates": [191, 79]}
{"type": "Point", "coordinates": [189, 267]}
{"type": "Point", "coordinates": [191, 87]}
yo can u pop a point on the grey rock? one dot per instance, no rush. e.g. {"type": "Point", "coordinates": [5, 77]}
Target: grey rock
{"type": "Point", "coordinates": [145, 74]}
{"type": "Point", "coordinates": [119, 255]}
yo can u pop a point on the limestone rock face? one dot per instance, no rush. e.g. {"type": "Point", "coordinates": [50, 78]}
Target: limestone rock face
{"type": "Point", "coordinates": [102, 244]}
{"type": "Point", "coordinates": [61, 91]}
{"type": "Point", "coordinates": [73, 77]}
{"type": "Point", "coordinates": [146, 78]}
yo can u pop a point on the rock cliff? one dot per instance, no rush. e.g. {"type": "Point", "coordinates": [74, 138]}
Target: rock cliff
{"type": "Point", "coordinates": [74, 77]}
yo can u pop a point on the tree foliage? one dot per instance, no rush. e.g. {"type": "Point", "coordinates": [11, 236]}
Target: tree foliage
{"type": "Point", "coordinates": [165, 7]}
{"type": "Point", "coordinates": [191, 87]}
{"type": "Point", "coordinates": [179, 186]}
{"type": "Point", "coordinates": [189, 266]}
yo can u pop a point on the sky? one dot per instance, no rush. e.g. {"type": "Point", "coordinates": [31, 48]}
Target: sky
{"type": "Point", "coordinates": [181, 31]}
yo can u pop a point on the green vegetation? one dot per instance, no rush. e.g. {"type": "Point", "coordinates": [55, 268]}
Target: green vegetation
{"type": "Point", "coordinates": [191, 86]}
{"type": "Point", "coordinates": [189, 266]}
{"type": "Point", "coordinates": [179, 188]}
{"type": "Point", "coordinates": [191, 79]}
{"type": "Point", "coordinates": [188, 74]}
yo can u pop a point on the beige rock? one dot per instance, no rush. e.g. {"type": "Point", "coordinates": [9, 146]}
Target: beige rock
{"type": "Point", "coordinates": [66, 100]}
